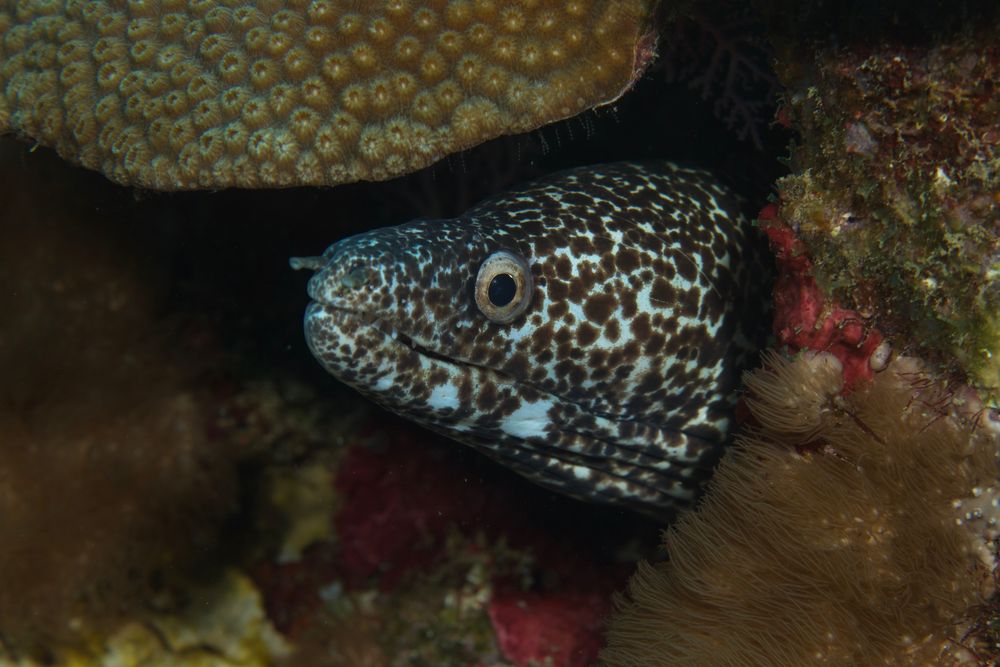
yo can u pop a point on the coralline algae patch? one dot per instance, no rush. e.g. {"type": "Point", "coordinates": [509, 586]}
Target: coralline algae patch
{"type": "Point", "coordinates": [444, 563]}
{"type": "Point", "coordinates": [172, 95]}
{"type": "Point", "coordinates": [896, 190]}
{"type": "Point", "coordinates": [805, 318]}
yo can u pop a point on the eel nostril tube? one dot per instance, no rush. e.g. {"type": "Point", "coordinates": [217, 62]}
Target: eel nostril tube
{"type": "Point", "coordinates": [308, 263]}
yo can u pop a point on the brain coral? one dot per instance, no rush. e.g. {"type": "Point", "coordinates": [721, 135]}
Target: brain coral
{"type": "Point", "coordinates": [173, 94]}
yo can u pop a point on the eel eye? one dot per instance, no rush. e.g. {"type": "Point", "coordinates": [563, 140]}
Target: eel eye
{"type": "Point", "coordinates": [503, 287]}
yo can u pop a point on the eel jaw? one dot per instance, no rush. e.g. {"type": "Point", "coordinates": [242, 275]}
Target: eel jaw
{"type": "Point", "coordinates": [353, 323]}
{"type": "Point", "coordinates": [651, 472]}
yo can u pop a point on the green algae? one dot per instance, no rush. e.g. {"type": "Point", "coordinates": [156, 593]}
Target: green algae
{"type": "Point", "coordinates": [896, 191]}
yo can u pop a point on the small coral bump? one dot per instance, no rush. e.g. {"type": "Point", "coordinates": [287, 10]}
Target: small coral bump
{"type": "Point", "coordinates": [879, 359]}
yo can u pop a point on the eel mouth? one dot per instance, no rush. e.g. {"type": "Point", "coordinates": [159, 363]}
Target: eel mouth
{"type": "Point", "coordinates": [404, 339]}
{"type": "Point", "coordinates": [348, 319]}
{"type": "Point", "coordinates": [354, 318]}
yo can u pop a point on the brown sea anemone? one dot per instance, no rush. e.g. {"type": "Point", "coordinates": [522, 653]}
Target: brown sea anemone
{"type": "Point", "coordinates": [833, 532]}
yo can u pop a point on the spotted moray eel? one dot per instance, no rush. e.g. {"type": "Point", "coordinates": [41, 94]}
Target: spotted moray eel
{"type": "Point", "coordinates": [587, 330]}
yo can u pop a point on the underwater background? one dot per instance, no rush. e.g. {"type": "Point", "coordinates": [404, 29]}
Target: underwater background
{"type": "Point", "coordinates": [182, 484]}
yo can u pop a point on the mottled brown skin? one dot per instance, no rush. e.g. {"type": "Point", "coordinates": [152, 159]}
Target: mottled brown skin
{"type": "Point", "coordinates": [617, 384]}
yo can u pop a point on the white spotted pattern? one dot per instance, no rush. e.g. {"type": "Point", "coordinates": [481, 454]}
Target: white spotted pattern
{"type": "Point", "coordinates": [618, 382]}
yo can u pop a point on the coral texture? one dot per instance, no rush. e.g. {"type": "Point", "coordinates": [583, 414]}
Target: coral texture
{"type": "Point", "coordinates": [436, 559]}
{"type": "Point", "coordinates": [222, 625]}
{"type": "Point", "coordinates": [896, 189]}
{"type": "Point", "coordinates": [833, 533]}
{"type": "Point", "coordinates": [109, 485]}
{"type": "Point", "coordinates": [170, 95]}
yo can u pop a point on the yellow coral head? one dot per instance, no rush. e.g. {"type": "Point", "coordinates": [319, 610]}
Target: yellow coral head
{"type": "Point", "coordinates": [174, 95]}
